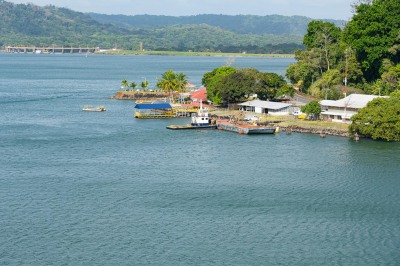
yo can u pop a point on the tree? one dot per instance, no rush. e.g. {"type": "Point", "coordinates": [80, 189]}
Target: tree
{"type": "Point", "coordinates": [326, 83]}
{"type": "Point", "coordinates": [380, 119]}
{"type": "Point", "coordinates": [237, 86]}
{"type": "Point", "coordinates": [144, 84]}
{"type": "Point", "coordinates": [124, 84]}
{"type": "Point", "coordinates": [181, 82]}
{"type": "Point", "coordinates": [167, 81]}
{"type": "Point", "coordinates": [312, 108]}
{"type": "Point", "coordinates": [211, 81]}
{"type": "Point", "coordinates": [268, 84]}
{"type": "Point", "coordinates": [324, 37]}
{"type": "Point", "coordinates": [132, 85]}
{"type": "Point", "coordinates": [373, 33]}
{"type": "Point", "coordinates": [170, 81]}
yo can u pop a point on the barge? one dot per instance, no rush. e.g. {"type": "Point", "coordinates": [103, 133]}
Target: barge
{"type": "Point", "coordinates": [245, 128]}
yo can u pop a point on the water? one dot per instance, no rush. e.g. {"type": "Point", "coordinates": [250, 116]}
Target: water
{"type": "Point", "coordinates": [82, 188]}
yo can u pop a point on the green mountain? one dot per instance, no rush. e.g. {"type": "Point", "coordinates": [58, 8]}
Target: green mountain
{"type": "Point", "coordinates": [242, 24]}
{"type": "Point", "coordinates": [28, 24]}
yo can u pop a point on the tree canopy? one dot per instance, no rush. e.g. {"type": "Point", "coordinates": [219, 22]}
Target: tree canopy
{"type": "Point", "coordinates": [312, 107]}
{"type": "Point", "coordinates": [227, 84]}
{"type": "Point", "coordinates": [373, 33]}
{"type": "Point", "coordinates": [380, 119]}
{"type": "Point", "coordinates": [366, 51]}
{"type": "Point", "coordinates": [171, 81]}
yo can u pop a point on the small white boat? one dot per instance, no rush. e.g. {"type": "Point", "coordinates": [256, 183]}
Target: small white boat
{"type": "Point", "coordinates": [88, 108]}
{"type": "Point", "coordinates": [200, 120]}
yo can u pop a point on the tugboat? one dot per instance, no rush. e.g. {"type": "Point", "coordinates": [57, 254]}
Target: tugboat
{"type": "Point", "coordinates": [199, 120]}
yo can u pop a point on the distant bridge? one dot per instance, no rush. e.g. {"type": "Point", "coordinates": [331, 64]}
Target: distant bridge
{"type": "Point", "coordinates": [50, 50]}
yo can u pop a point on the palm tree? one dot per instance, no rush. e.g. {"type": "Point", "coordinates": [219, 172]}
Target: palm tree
{"type": "Point", "coordinates": [168, 81]}
{"type": "Point", "coordinates": [181, 82]}
{"type": "Point", "coordinates": [124, 84]}
{"type": "Point", "coordinates": [132, 85]}
{"type": "Point", "coordinates": [144, 84]}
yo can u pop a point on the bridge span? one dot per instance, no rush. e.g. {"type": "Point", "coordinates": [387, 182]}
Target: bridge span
{"type": "Point", "coordinates": [50, 49]}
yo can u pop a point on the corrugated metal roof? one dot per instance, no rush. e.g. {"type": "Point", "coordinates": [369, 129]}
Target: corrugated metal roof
{"type": "Point", "coordinates": [356, 101]}
{"type": "Point", "coordinates": [266, 104]}
{"type": "Point", "coordinates": [153, 106]}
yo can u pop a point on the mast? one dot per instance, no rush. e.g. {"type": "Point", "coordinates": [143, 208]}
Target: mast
{"type": "Point", "coordinates": [345, 88]}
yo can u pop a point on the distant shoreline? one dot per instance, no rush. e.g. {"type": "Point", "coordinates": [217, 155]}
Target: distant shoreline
{"type": "Point", "coordinates": [176, 53]}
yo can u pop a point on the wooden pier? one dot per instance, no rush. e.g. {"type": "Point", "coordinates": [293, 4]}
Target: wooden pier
{"type": "Point", "coordinates": [50, 50]}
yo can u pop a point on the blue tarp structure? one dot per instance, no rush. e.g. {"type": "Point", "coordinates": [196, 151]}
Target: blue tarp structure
{"type": "Point", "coordinates": [153, 106]}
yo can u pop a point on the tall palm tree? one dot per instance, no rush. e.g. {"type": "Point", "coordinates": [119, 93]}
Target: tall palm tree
{"type": "Point", "coordinates": [124, 84]}
{"type": "Point", "coordinates": [168, 81]}
{"type": "Point", "coordinates": [181, 82]}
{"type": "Point", "coordinates": [144, 84]}
{"type": "Point", "coordinates": [132, 85]}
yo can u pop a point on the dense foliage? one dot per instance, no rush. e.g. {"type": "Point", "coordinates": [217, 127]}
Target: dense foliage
{"type": "Point", "coordinates": [368, 48]}
{"type": "Point", "coordinates": [230, 85]}
{"type": "Point", "coordinates": [312, 107]}
{"type": "Point", "coordinates": [380, 119]}
{"type": "Point", "coordinates": [374, 34]}
{"type": "Point", "coordinates": [171, 81]}
{"type": "Point", "coordinates": [23, 25]}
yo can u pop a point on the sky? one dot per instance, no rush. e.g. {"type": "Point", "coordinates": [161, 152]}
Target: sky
{"type": "Point", "coordinates": [323, 9]}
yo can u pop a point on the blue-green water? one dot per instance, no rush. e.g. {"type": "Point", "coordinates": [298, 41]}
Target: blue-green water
{"type": "Point", "coordinates": [82, 188]}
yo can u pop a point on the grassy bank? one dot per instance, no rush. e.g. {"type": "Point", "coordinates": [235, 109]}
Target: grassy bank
{"type": "Point", "coordinates": [176, 53]}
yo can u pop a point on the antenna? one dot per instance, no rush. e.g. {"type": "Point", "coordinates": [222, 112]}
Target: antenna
{"type": "Point", "coordinates": [345, 87]}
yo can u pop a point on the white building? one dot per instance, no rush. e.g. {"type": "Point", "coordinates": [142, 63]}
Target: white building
{"type": "Point", "coordinates": [342, 110]}
{"type": "Point", "coordinates": [266, 107]}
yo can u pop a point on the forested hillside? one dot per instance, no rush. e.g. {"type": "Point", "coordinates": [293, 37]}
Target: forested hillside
{"type": "Point", "coordinates": [366, 51]}
{"type": "Point", "coordinates": [242, 24]}
{"type": "Point", "coordinates": [28, 24]}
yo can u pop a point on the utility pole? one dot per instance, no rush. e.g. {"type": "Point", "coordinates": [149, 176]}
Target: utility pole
{"type": "Point", "coordinates": [345, 88]}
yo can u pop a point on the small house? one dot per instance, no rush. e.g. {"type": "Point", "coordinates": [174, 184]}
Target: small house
{"type": "Point", "coordinates": [342, 110]}
{"type": "Point", "coordinates": [266, 107]}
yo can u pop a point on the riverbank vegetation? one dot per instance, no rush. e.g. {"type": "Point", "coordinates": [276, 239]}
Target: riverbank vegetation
{"type": "Point", "coordinates": [380, 119]}
{"type": "Point", "coordinates": [366, 51]}
{"type": "Point", "coordinates": [231, 85]}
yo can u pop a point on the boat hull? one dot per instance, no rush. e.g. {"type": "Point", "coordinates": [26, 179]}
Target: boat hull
{"type": "Point", "coordinates": [246, 129]}
{"type": "Point", "coordinates": [254, 131]}
{"type": "Point", "coordinates": [187, 127]}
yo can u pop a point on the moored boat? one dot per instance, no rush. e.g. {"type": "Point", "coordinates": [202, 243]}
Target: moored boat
{"type": "Point", "coordinates": [88, 108]}
{"type": "Point", "coordinates": [199, 120]}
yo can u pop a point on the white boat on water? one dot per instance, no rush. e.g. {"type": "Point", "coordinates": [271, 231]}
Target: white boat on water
{"type": "Point", "coordinates": [89, 108]}
{"type": "Point", "coordinates": [201, 120]}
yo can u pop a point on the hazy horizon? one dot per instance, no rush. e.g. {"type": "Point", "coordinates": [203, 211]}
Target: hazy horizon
{"type": "Point", "coordinates": [329, 9]}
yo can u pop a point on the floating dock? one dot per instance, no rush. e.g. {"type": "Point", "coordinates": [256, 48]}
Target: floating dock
{"type": "Point", "coordinates": [245, 128]}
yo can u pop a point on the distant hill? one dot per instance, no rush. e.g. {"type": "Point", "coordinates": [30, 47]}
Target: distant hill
{"type": "Point", "coordinates": [242, 24]}
{"type": "Point", "coordinates": [28, 24]}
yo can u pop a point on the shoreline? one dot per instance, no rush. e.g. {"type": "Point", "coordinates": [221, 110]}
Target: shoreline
{"type": "Point", "coordinates": [177, 53]}
{"type": "Point", "coordinates": [301, 126]}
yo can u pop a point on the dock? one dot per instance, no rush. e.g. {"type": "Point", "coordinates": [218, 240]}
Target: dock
{"type": "Point", "coordinates": [245, 128]}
